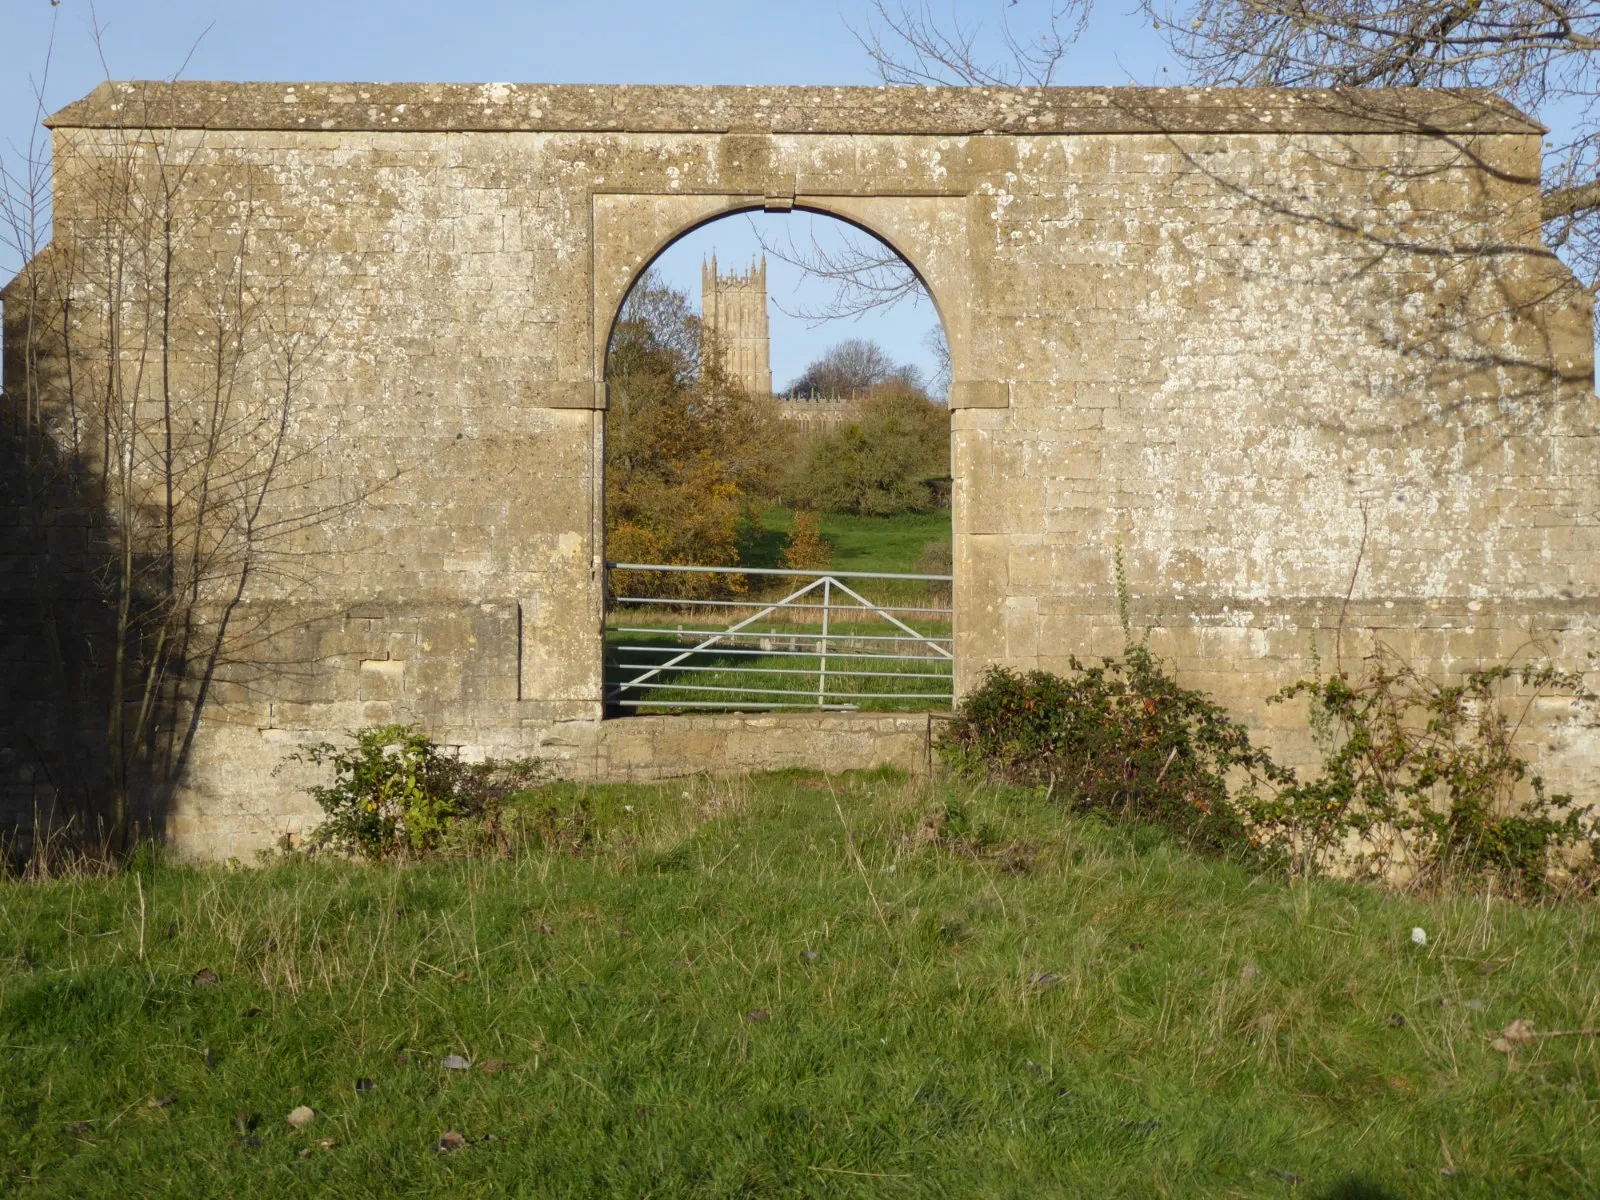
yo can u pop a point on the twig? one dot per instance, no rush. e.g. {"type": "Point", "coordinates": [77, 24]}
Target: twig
{"type": "Point", "coordinates": [1338, 632]}
{"type": "Point", "coordinates": [138, 883]}
{"type": "Point", "coordinates": [1165, 765]}
{"type": "Point", "coordinates": [867, 275]}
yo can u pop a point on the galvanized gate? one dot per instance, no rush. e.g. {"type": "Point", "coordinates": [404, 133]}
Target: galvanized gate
{"type": "Point", "coordinates": [744, 643]}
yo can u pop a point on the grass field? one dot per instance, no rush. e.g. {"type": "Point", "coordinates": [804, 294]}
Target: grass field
{"type": "Point", "coordinates": [868, 684]}
{"type": "Point", "coordinates": [791, 986]}
{"type": "Point", "coordinates": [889, 544]}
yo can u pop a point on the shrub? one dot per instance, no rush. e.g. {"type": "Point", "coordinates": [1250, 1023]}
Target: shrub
{"type": "Point", "coordinates": [1123, 739]}
{"type": "Point", "coordinates": [1428, 778]}
{"type": "Point", "coordinates": [1419, 780]}
{"type": "Point", "coordinates": [882, 463]}
{"type": "Point", "coordinates": [806, 549]}
{"type": "Point", "coordinates": [396, 794]}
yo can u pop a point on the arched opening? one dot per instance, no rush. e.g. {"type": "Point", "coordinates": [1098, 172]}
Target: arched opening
{"type": "Point", "coordinates": [777, 479]}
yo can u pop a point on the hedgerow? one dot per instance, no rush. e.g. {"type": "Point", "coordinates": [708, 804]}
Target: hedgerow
{"type": "Point", "coordinates": [1419, 782]}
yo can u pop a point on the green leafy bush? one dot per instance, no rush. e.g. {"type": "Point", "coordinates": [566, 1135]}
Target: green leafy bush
{"type": "Point", "coordinates": [884, 462]}
{"type": "Point", "coordinates": [1420, 782]}
{"type": "Point", "coordinates": [1425, 780]}
{"type": "Point", "coordinates": [396, 794]}
{"type": "Point", "coordinates": [1124, 739]}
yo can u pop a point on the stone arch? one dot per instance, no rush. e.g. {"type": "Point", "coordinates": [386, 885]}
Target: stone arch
{"type": "Point", "coordinates": [928, 232]}
{"type": "Point", "coordinates": [1155, 342]}
{"type": "Point", "coordinates": [631, 231]}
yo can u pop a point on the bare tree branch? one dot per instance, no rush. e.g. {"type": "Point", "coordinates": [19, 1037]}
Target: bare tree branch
{"type": "Point", "coordinates": [1540, 54]}
{"type": "Point", "coordinates": [1569, 201]}
{"type": "Point", "coordinates": [160, 382]}
{"type": "Point", "coordinates": [867, 276]}
{"type": "Point", "coordinates": [910, 45]}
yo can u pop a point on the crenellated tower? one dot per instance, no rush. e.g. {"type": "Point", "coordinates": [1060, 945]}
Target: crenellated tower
{"type": "Point", "coordinates": [733, 309]}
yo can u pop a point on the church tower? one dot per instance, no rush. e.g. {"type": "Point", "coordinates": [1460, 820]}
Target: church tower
{"type": "Point", "coordinates": [733, 308]}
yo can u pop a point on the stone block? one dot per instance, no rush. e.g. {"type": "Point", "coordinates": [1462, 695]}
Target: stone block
{"type": "Point", "coordinates": [383, 678]}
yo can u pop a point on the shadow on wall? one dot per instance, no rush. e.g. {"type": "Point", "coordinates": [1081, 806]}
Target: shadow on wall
{"type": "Point", "coordinates": [138, 504]}
{"type": "Point", "coordinates": [56, 630]}
{"type": "Point", "coordinates": [1446, 242]}
{"type": "Point", "coordinates": [1390, 293]}
{"type": "Point", "coordinates": [146, 489]}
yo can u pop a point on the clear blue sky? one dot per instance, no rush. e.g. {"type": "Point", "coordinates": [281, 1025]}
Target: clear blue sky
{"type": "Point", "coordinates": [620, 41]}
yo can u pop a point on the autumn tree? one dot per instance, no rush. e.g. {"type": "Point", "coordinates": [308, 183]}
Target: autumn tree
{"type": "Point", "coordinates": [689, 454]}
{"type": "Point", "coordinates": [806, 549]}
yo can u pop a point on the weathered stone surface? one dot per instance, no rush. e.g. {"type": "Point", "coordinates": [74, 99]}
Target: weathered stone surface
{"type": "Point", "coordinates": [220, 819]}
{"type": "Point", "coordinates": [1301, 354]}
{"type": "Point", "coordinates": [651, 108]}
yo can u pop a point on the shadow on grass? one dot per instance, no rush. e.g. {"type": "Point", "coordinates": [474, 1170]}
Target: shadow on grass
{"type": "Point", "coordinates": [761, 542]}
{"type": "Point", "coordinates": [1357, 1187]}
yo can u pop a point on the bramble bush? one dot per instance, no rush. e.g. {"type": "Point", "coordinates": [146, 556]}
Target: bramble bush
{"type": "Point", "coordinates": [1419, 781]}
{"type": "Point", "coordinates": [396, 794]}
{"type": "Point", "coordinates": [1425, 779]}
{"type": "Point", "coordinates": [1122, 739]}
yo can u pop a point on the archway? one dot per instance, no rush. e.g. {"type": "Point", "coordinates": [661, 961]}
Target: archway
{"type": "Point", "coordinates": [776, 506]}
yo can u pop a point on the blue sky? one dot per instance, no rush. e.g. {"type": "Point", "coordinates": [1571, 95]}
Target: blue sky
{"type": "Point", "coordinates": [621, 41]}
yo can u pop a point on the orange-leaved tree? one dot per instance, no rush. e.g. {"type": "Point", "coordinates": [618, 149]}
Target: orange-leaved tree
{"type": "Point", "coordinates": [690, 455]}
{"type": "Point", "coordinates": [806, 549]}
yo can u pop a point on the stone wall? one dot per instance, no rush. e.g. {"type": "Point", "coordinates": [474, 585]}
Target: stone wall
{"type": "Point", "coordinates": [1301, 355]}
{"type": "Point", "coordinates": [817, 415]}
{"type": "Point", "coordinates": [232, 821]}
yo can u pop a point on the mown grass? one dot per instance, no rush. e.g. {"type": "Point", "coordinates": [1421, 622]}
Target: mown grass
{"type": "Point", "coordinates": [889, 544]}
{"type": "Point", "coordinates": [792, 985]}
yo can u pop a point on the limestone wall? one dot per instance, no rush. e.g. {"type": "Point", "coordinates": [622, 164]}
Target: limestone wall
{"type": "Point", "coordinates": [1305, 359]}
{"type": "Point", "coordinates": [1292, 411]}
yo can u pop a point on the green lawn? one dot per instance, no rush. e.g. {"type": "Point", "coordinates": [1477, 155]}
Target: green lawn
{"type": "Point", "coordinates": [856, 675]}
{"type": "Point", "coordinates": [889, 544]}
{"type": "Point", "coordinates": [791, 986]}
